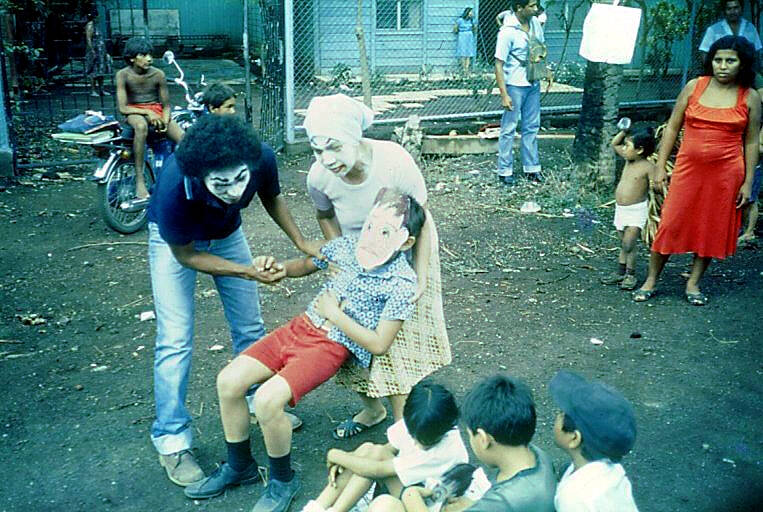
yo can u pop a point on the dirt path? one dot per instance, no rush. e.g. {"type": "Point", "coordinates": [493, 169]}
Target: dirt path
{"type": "Point", "coordinates": [521, 296]}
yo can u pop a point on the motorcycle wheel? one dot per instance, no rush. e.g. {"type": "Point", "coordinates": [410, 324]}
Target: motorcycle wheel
{"type": "Point", "coordinates": [118, 188]}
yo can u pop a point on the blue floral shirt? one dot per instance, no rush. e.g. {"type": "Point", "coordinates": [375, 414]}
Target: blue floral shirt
{"type": "Point", "coordinates": [383, 293]}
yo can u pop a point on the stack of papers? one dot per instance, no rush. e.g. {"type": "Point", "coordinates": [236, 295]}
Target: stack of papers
{"type": "Point", "coordinates": [84, 138]}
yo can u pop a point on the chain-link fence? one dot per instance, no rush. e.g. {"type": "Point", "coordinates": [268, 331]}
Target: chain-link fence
{"type": "Point", "coordinates": [414, 67]}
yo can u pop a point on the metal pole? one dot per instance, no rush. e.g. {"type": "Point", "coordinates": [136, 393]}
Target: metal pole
{"type": "Point", "coordinates": [145, 20]}
{"type": "Point", "coordinates": [7, 147]}
{"type": "Point", "coordinates": [288, 36]}
{"type": "Point", "coordinates": [689, 53]}
{"type": "Point", "coordinates": [247, 66]}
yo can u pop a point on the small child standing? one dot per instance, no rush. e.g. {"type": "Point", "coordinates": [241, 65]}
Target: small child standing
{"type": "Point", "coordinates": [750, 210]}
{"type": "Point", "coordinates": [426, 443]}
{"type": "Point", "coordinates": [219, 99]}
{"type": "Point", "coordinates": [596, 428]}
{"type": "Point", "coordinates": [632, 203]}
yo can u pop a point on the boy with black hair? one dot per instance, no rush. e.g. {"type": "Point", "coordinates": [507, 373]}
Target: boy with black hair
{"type": "Point", "coordinates": [426, 443]}
{"type": "Point", "coordinates": [143, 98]}
{"type": "Point", "coordinates": [631, 200]}
{"type": "Point", "coordinates": [219, 99]}
{"type": "Point", "coordinates": [499, 414]}
{"type": "Point", "coordinates": [596, 428]}
{"type": "Point", "coordinates": [357, 314]}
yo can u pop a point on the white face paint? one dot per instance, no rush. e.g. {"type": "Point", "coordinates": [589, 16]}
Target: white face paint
{"type": "Point", "coordinates": [336, 156]}
{"type": "Point", "coordinates": [228, 185]}
{"type": "Point", "coordinates": [382, 236]}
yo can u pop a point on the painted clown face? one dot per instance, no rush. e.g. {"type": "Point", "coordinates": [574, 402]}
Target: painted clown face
{"type": "Point", "coordinates": [383, 235]}
{"type": "Point", "coordinates": [336, 156]}
{"type": "Point", "coordinates": [228, 185]}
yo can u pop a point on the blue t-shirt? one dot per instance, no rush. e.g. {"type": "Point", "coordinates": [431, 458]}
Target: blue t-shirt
{"type": "Point", "coordinates": [185, 211]}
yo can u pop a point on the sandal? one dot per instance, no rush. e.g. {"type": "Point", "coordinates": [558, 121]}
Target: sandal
{"type": "Point", "coordinates": [350, 428]}
{"type": "Point", "coordinates": [642, 295]}
{"type": "Point", "coordinates": [696, 298]}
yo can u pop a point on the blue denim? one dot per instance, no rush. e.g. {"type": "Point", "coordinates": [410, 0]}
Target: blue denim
{"type": "Point", "coordinates": [173, 286]}
{"type": "Point", "coordinates": [526, 102]}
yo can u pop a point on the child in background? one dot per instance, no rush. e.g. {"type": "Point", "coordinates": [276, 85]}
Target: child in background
{"type": "Point", "coordinates": [219, 99]}
{"type": "Point", "coordinates": [632, 203]}
{"type": "Point", "coordinates": [426, 443]}
{"type": "Point", "coordinates": [750, 210]}
{"type": "Point", "coordinates": [596, 428]}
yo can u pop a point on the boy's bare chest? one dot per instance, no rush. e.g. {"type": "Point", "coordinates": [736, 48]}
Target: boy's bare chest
{"type": "Point", "coordinates": [142, 84]}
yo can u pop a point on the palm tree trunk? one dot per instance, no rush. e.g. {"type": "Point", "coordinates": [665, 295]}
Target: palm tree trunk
{"type": "Point", "coordinates": [365, 75]}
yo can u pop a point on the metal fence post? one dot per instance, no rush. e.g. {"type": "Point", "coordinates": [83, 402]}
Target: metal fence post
{"type": "Point", "coordinates": [7, 161]}
{"type": "Point", "coordinates": [288, 36]}
{"type": "Point", "coordinates": [687, 61]}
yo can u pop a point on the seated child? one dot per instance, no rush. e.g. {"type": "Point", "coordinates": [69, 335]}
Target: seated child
{"type": "Point", "coordinates": [632, 208]}
{"type": "Point", "coordinates": [750, 210]}
{"type": "Point", "coordinates": [219, 99]}
{"type": "Point", "coordinates": [143, 98]}
{"type": "Point", "coordinates": [357, 313]}
{"type": "Point", "coordinates": [499, 414]}
{"type": "Point", "coordinates": [596, 428]}
{"type": "Point", "coordinates": [426, 443]}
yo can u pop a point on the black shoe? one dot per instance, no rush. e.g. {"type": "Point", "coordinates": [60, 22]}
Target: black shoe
{"type": "Point", "coordinates": [277, 496]}
{"type": "Point", "coordinates": [534, 177]}
{"type": "Point", "coordinates": [223, 477]}
{"type": "Point", "coordinates": [506, 180]}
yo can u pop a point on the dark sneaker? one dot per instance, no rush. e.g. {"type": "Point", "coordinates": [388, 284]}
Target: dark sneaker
{"type": "Point", "coordinates": [629, 282]}
{"type": "Point", "coordinates": [506, 180]}
{"type": "Point", "coordinates": [613, 278]}
{"type": "Point", "coordinates": [534, 177]}
{"type": "Point", "coordinates": [223, 477]}
{"type": "Point", "coordinates": [277, 496]}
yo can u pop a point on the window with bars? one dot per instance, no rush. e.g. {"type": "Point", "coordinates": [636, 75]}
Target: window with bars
{"type": "Point", "coordinates": [398, 14]}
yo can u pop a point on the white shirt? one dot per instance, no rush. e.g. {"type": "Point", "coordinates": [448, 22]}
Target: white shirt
{"type": "Point", "coordinates": [512, 48]}
{"type": "Point", "coordinates": [722, 28]}
{"type": "Point", "coordinates": [413, 464]}
{"type": "Point", "coordinates": [599, 486]}
{"type": "Point", "coordinates": [392, 166]}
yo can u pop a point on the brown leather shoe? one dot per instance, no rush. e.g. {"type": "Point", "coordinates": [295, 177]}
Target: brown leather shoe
{"type": "Point", "coordinates": [181, 467]}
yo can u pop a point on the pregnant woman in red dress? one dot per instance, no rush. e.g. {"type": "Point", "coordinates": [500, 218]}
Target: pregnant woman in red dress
{"type": "Point", "coordinates": [712, 179]}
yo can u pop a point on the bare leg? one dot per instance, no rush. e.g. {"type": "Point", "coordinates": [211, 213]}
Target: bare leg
{"type": "Point", "coordinates": [330, 493]}
{"type": "Point", "coordinates": [175, 132]}
{"type": "Point", "coordinates": [373, 411]}
{"type": "Point", "coordinates": [269, 402]}
{"type": "Point", "coordinates": [467, 64]}
{"type": "Point", "coordinates": [356, 487]}
{"type": "Point", "coordinates": [232, 384]}
{"type": "Point", "coordinates": [140, 126]}
{"type": "Point", "coordinates": [386, 503]}
{"type": "Point", "coordinates": [629, 248]}
{"type": "Point", "coordinates": [398, 403]}
{"type": "Point", "coordinates": [697, 270]}
{"type": "Point", "coordinates": [656, 264]}
{"type": "Point", "coordinates": [749, 220]}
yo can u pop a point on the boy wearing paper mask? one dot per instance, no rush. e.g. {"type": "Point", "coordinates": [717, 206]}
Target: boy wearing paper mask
{"type": "Point", "coordinates": [356, 315]}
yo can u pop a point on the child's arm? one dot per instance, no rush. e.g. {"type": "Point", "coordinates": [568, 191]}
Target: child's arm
{"type": "Point", "coordinates": [618, 143]}
{"type": "Point", "coordinates": [363, 466]}
{"type": "Point", "coordinates": [299, 267]}
{"type": "Point", "coordinates": [376, 341]}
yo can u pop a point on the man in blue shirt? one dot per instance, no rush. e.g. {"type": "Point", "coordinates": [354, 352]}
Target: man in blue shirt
{"type": "Point", "coordinates": [195, 226]}
{"type": "Point", "coordinates": [357, 313]}
{"type": "Point", "coordinates": [732, 24]}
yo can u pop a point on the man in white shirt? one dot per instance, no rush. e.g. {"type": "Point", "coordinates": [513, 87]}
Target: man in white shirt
{"type": "Point", "coordinates": [732, 24]}
{"type": "Point", "coordinates": [519, 97]}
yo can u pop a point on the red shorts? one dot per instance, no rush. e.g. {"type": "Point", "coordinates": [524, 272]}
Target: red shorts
{"type": "Point", "coordinates": [155, 107]}
{"type": "Point", "coordinates": [301, 354]}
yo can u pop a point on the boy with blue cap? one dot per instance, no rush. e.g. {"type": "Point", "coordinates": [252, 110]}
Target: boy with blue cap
{"type": "Point", "coordinates": [596, 427]}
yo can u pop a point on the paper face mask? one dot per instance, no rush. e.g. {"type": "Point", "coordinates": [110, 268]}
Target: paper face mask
{"type": "Point", "coordinates": [382, 236]}
{"type": "Point", "coordinates": [228, 185]}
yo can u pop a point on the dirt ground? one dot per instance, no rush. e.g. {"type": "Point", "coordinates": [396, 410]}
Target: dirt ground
{"type": "Point", "coordinates": [521, 296]}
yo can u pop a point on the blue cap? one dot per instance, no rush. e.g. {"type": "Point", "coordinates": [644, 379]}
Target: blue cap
{"type": "Point", "coordinates": [600, 412]}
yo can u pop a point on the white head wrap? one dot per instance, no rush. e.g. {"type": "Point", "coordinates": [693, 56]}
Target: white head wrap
{"type": "Point", "coordinates": [338, 117]}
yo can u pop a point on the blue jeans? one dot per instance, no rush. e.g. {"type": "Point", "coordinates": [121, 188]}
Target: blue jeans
{"type": "Point", "coordinates": [173, 286]}
{"type": "Point", "coordinates": [526, 102]}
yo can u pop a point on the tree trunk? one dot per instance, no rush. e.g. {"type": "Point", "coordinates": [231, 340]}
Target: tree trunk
{"type": "Point", "coordinates": [365, 76]}
{"type": "Point", "coordinates": [597, 125]}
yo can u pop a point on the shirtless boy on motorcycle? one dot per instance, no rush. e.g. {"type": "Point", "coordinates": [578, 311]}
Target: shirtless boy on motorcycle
{"type": "Point", "coordinates": [143, 98]}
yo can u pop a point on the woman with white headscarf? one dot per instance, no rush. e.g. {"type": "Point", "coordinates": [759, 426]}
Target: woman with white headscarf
{"type": "Point", "coordinates": [348, 172]}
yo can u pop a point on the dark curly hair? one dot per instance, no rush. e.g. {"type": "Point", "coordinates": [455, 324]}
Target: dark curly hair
{"type": "Point", "coordinates": [643, 139]}
{"type": "Point", "coordinates": [746, 53]}
{"type": "Point", "coordinates": [217, 142]}
{"type": "Point", "coordinates": [135, 46]}
{"type": "Point", "coordinates": [216, 94]}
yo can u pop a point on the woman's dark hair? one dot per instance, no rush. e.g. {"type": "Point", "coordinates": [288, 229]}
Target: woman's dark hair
{"type": "Point", "coordinates": [466, 12]}
{"type": "Point", "coordinates": [216, 94]}
{"type": "Point", "coordinates": [416, 218]}
{"type": "Point", "coordinates": [135, 46]}
{"type": "Point", "coordinates": [430, 411]}
{"type": "Point", "coordinates": [503, 407]}
{"type": "Point", "coordinates": [643, 139]}
{"type": "Point", "coordinates": [568, 425]}
{"type": "Point", "coordinates": [746, 53]}
{"type": "Point", "coordinates": [217, 142]}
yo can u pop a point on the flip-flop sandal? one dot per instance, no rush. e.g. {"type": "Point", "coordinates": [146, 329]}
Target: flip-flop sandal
{"type": "Point", "coordinates": [350, 428]}
{"type": "Point", "coordinates": [697, 298]}
{"type": "Point", "coordinates": [644, 295]}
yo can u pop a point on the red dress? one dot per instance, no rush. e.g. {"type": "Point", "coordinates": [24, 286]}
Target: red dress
{"type": "Point", "coordinates": [699, 214]}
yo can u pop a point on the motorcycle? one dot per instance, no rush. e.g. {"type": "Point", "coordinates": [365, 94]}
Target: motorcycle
{"type": "Point", "coordinates": [115, 177]}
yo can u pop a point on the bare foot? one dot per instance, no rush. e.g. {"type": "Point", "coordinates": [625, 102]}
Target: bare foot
{"type": "Point", "coordinates": [368, 418]}
{"type": "Point", "coordinates": [141, 192]}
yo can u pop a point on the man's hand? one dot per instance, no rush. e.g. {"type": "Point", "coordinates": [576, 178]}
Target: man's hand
{"type": "Point", "coordinates": [313, 248]}
{"type": "Point", "coordinates": [506, 102]}
{"type": "Point", "coordinates": [327, 305]}
{"type": "Point", "coordinates": [265, 269]}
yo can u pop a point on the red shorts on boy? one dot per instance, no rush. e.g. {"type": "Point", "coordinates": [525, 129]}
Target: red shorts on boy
{"type": "Point", "coordinates": [156, 108]}
{"type": "Point", "coordinates": [301, 354]}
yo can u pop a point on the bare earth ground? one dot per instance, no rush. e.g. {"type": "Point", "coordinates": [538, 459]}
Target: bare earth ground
{"type": "Point", "coordinates": [521, 296]}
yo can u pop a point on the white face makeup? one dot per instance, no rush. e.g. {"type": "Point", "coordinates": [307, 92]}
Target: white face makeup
{"type": "Point", "coordinates": [338, 157]}
{"type": "Point", "coordinates": [228, 185]}
{"type": "Point", "coordinates": [382, 236]}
